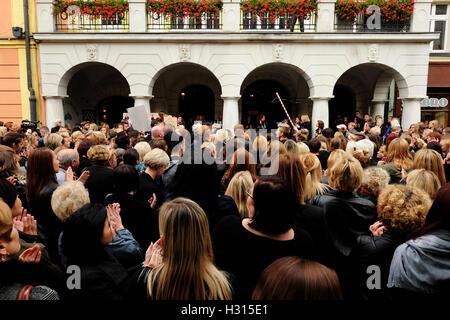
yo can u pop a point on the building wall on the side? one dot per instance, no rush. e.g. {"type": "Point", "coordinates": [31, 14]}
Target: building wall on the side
{"type": "Point", "coordinates": [14, 93]}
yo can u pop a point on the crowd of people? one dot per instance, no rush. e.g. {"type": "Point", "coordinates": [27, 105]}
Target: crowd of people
{"type": "Point", "coordinates": [357, 211]}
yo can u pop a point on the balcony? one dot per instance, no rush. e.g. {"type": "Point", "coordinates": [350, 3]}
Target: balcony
{"type": "Point", "coordinates": [225, 16]}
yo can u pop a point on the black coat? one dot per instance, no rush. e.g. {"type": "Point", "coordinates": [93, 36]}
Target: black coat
{"type": "Point", "coordinates": [137, 217]}
{"type": "Point", "coordinates": [347, 216]}
{"type": "Point", "coordinates": [148, 186]}
{"type": "Point", "coordinates": [376, 251]}
{"type": "Point", "coordinates": [49, 225]}
{"type": "Point", "coordinates": [99, 183]}
{"type": "Point", "coordinates": [34, 274]}
{"type": "Point", "coordinates": [104, 280]}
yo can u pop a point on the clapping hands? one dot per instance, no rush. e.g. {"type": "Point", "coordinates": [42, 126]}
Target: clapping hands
{"type": "Point", "coordinates": [113, 213]}
{"type": "Point", "coordinates": [25, 223]}
{"type": "Point", "coordinates": [154, 254]}
{"type": "Point", "coordinates": [32, 255]}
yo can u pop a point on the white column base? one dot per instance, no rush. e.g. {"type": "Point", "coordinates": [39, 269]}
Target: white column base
{"type": "Point", "coordinates": [54, 110]}
{"type": "Point", "coordinates": [378, 108]}
{"type": "Point", "coordinates": [410, 112]}
{"type": "Point", "coordinates": [230, 115]}
{"type": "Point", "coordinates": [320, 112]}
{"type": "Point", "coordinates": [142, 101]}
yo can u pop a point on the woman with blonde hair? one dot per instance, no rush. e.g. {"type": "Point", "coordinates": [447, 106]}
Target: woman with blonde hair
{"type": "Point", "coordinates": [179, 266]}
{"type": "Point", "coordinates": [425, 180]}
{"type": "Point", "coordinates": [302, 148]}
{"type": "Point", "coordinates": [291, 147]}
{"type": "Point", "coordinates": [53, 141]}
{"type": "Point", "coordinates": [242, 161]}
{"type": "Point", "coordinates": [398, 159]}
{"type": "Point", "coordinates": [346, 216]}
{"type": "Point", "coordinates": [237, 189]}
{"type": "Point", "coordinates": [332, 159]}
{"type": "Point", "coordinates": [430, 160]}
{"type": "Point", "coordinates": [313, 184]}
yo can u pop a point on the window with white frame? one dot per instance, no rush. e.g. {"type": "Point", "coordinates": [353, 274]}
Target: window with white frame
{"type": "Point", "coordinates": [438, 23]}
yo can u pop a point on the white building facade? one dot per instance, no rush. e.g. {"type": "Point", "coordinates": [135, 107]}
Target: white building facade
{"type": "Point", "coordinates": [84, 73]}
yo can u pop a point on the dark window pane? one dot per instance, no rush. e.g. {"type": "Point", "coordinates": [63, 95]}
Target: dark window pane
{"type": "Point", "coordinates": [441, 9]}
{"type": "Point", "coordinates": [439, 26]}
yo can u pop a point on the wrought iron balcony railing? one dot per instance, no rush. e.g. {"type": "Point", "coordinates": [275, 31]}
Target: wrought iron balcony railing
{"type": "Point", "coordinates": [282, 23]}
{"type": "Point", "coordinates": [66, 22]}
{"type": "Point", "coordinates": [158, 22]}
{"type": "Point", "coordinates": [360, 25]}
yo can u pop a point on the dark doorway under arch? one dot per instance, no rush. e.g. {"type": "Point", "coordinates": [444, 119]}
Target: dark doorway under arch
{"type": "Point", "coordinates": [342, 105]}
{"type": "Point", "coordinates": [260, 97]}
{"type": "Point", "coordinates": [111, 109]}
{"type": "Point", "coordinates": [196, 102]}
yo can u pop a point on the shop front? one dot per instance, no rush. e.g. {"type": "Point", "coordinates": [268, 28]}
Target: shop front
{"type": "Point", "coordinates": [436, 107]}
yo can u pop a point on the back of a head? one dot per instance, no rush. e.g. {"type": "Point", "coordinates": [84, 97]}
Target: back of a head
{"type": "Point", "coordinates": [375, 179]}
{"type": "Point", "coordinates": [40, 172]}
{"type": "Point", "coordinates": [314, 145]}
{"type": "Point", "coordinates": [125, 179]}
{"type": "Point", "coordinates": [425, 180]}
{"type": "Point", "coordinates": [327, 133]}
{"type": "Point", "coordinates": [434, 145]}
{"type": "Point", "coordinates": [123, 142]}
{"type": "Point", "coordinates": [303, 148]}
{"type": "Point", "coordinates": [66, 156]}
{"type": "Point", "coordinates": [273, 217]}
{"type": "Point", "coordinates": [9, 160]}
{"type": "Point", "coordinates": [403, 209]}
{"type": "Point", "coordinates": [237, 189]}
{"type": "Point", "coordinates": [156, 159]}
{"type": "Point", "coordinates": [365, 144]}
{"type": "Point", "coordinates": [188, 255]}
{"type": "Point", "coordinates": [363, 156]}
{"type": "Point", "coordinates": [430, 160]}
{"type": "Point", "coordinates": [290, 168]}
{"type": "Point", "coordinates": [99, 155]}
{"type": "Point", "coordinates": [82, 233]}
{"type": "Point", "coordinates": [294, 278]}
{"type": "Point", "coordinates": [336, 155]}
{"type": "Point", "coordinates": [53, 141]}
{"type": "Point", "coordinates": [68, 198]}
{"type": "Point", "coordinates": [346, 175]}
{"type": "Point", "coordinates": [84, 146]}
{"type": "Point", "coordinates": [142, 148]}
{"type": "Point", "coordinates": [291, 147]}
{"type": "Point", "coordinates": [131, 157]}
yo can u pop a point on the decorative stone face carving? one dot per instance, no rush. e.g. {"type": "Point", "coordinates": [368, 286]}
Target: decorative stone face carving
{"type": "Point", "coordinates": [185, 52]}
{"type": "Point", "coordinates": [373, 53]}
{"type": "Point", "coordinates": [91, 52]}
{"type": "Point", "coordinates": [278, 52]}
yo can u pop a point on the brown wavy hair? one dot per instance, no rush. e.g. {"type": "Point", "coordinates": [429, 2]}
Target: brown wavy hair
{"type": "Point", "coordinates": [40, 172]}
{"type": "Point", "coordinates": [294, 278]}
{"type": "Point", "coordinates": [398, 153]}
{"type": "Point", "coordinates": [430, 160]}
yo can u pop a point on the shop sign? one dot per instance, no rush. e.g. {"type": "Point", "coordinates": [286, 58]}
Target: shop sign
{"type": "Point", "coordinates": [434, 103]}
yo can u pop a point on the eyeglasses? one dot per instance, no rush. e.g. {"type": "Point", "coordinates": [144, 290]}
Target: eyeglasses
{"type": "Point", "coordinates": [248, 193]}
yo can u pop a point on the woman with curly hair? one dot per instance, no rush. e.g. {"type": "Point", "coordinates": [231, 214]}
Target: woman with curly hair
{"type": "Point", "coordinates": [375, 180]}
{"type": "Point", "coordinates": [398, 159]}
{"type": "Point", "coordinates": [402, 211]}
{"type": "Point", "coordinates": [100, 182]}
{"type": "Point", "coordinates": [420, 267]}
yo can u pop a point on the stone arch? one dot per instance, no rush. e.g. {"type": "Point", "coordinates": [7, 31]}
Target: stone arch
{"type": "Point", "coordinates": [167, 84]}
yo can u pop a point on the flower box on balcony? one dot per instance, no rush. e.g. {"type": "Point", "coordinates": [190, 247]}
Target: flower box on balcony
{"type": "Point", "coordinates": [395, 15]}
{"type": "Point", "coordinates": [91, 15]}
{"type": "Point", "coordinates": [184, 14]}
